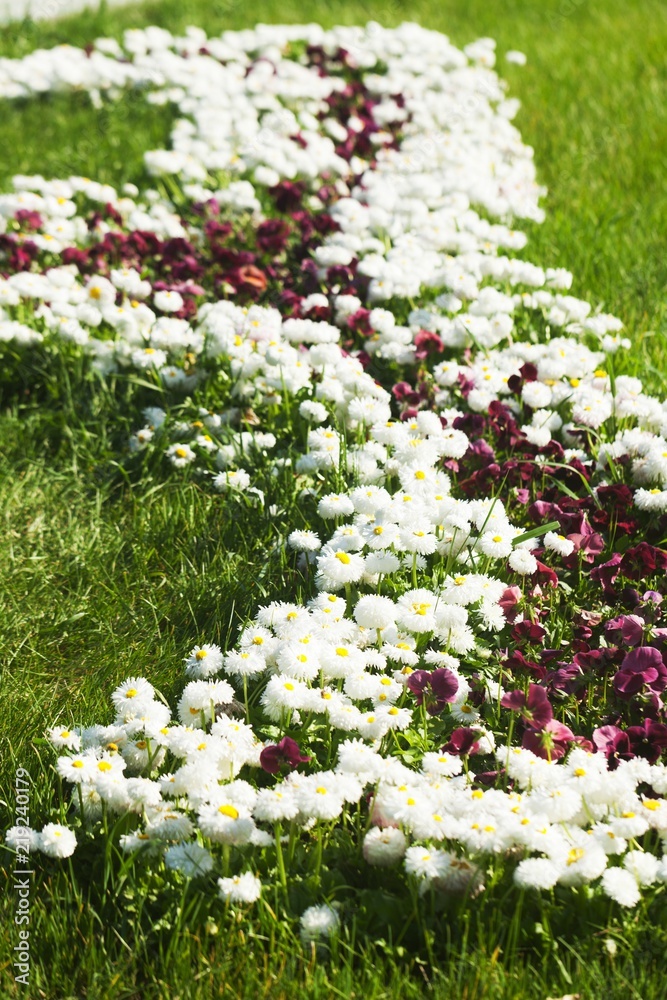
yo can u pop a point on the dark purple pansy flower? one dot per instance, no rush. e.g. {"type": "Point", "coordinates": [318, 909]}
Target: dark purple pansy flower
{"type": "Point", "coordinates": [462, 741]}
{"type": "Point", "coordinates": [528, 631]}
{"type": "Point", "coordinates": [535, 708]}
{"type": "Point", "coordinates": [285, 755]}
{"type": "Point", "coordinates": [434, 689]}
{"type": "Point", "coordinates": [629, 627]}
{"type": "Point", "coordinates": [607, 573]}
{"type": "Point", "coordinates": [509, 600]}
{"type": "Point", "coordinates": [614, 744]}
{"type": "Point", "coordinates": [648, 740]}
{"type": "Point", "coordinates": [641, 668]}
{"type": "Point", "coordinates": [550, 743]}
{"type": "Point", "coordinates": [643, 560]}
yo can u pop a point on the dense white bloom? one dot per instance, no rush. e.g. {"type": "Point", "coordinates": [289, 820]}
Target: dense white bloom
{"type": "Point", "coordinates": [621, 886]}
{"type": "Point", "coordinates": [232, 479]}
{"type": "Point", "coordinates": [180, 455]}
{"type": "Point", "coordinates": [57, 841]}
{"type": "Point", "coordinates": [226, 823]}
{"type": "Point", "coordinates": [168, 302]}
{"type": "Point", "coordinates": [304, 541]}
{"type": "Point", "coordinates": [245, 888]}
{"type": "Point", "coordinates": [523, 562]}
{"type": "Point", "coordinates": [558, 543]}
{"type": "Point", "coordinates": [536, 873]}
{"type": "Point", "coordinates": [22, 839]}
{"type": "Point", "coordinates": [375, 612]}
{"type": "Point", "coordinates": [318, 922]}
{"type": "Point", "coordinates": [336, 568]}
{"type": "Point", "coordinates": [189, 859]}
{"type": "Point", "coordinates": [335, 505]}
{"type": "Point", "coordinates": [426, 863]}
{"type": "Point", "coordinates": [384, 847]}
{"type": "Point", "coordinates": [313, 411]}
{"type": "Point", "coordinates": [134, 695]}
{"type": "Point", "coordinates": [63, 738]}
{"type": "Point", "coordinates": [204, 661]}
{"type": "Point", "coordinates": [651, 500]}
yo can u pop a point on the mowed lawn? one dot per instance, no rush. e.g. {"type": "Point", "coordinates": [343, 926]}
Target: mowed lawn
{"type": "Point", "coordinates": [101, 581]}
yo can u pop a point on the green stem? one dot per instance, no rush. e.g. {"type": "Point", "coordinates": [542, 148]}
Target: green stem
{"type": "Point", "coordinates": [279, 857]}
{"type": "Point", "coordinates": [245, 699]}
{"type": "Point", "coordinates": [318, 853]}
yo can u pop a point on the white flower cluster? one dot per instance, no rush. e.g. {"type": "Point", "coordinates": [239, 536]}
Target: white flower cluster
{"type": "Point", "coordinates": [571, 823]}
{"type": "Point", "coordinates": [567, 823]}
{"type": "Point", "coordinates": [54, 839]}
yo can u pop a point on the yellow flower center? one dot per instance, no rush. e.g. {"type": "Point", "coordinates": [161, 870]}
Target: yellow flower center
{"type": "Point", "coordinates": [229, 811]}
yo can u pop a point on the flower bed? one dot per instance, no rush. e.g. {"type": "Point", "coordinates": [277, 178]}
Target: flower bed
{"type": "Point", "coordinates": [310, 290]}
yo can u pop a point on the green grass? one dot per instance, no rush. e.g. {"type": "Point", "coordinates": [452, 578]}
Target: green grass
{"type": "Point", "coordinates": [102, 582]}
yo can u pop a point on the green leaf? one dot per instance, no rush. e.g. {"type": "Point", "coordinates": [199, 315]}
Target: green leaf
{"type": "Point", "coordinates": [536, 532]}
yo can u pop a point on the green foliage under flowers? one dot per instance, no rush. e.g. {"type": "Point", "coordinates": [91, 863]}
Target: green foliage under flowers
{"type": "Point", "coordinates": [104, 579]}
